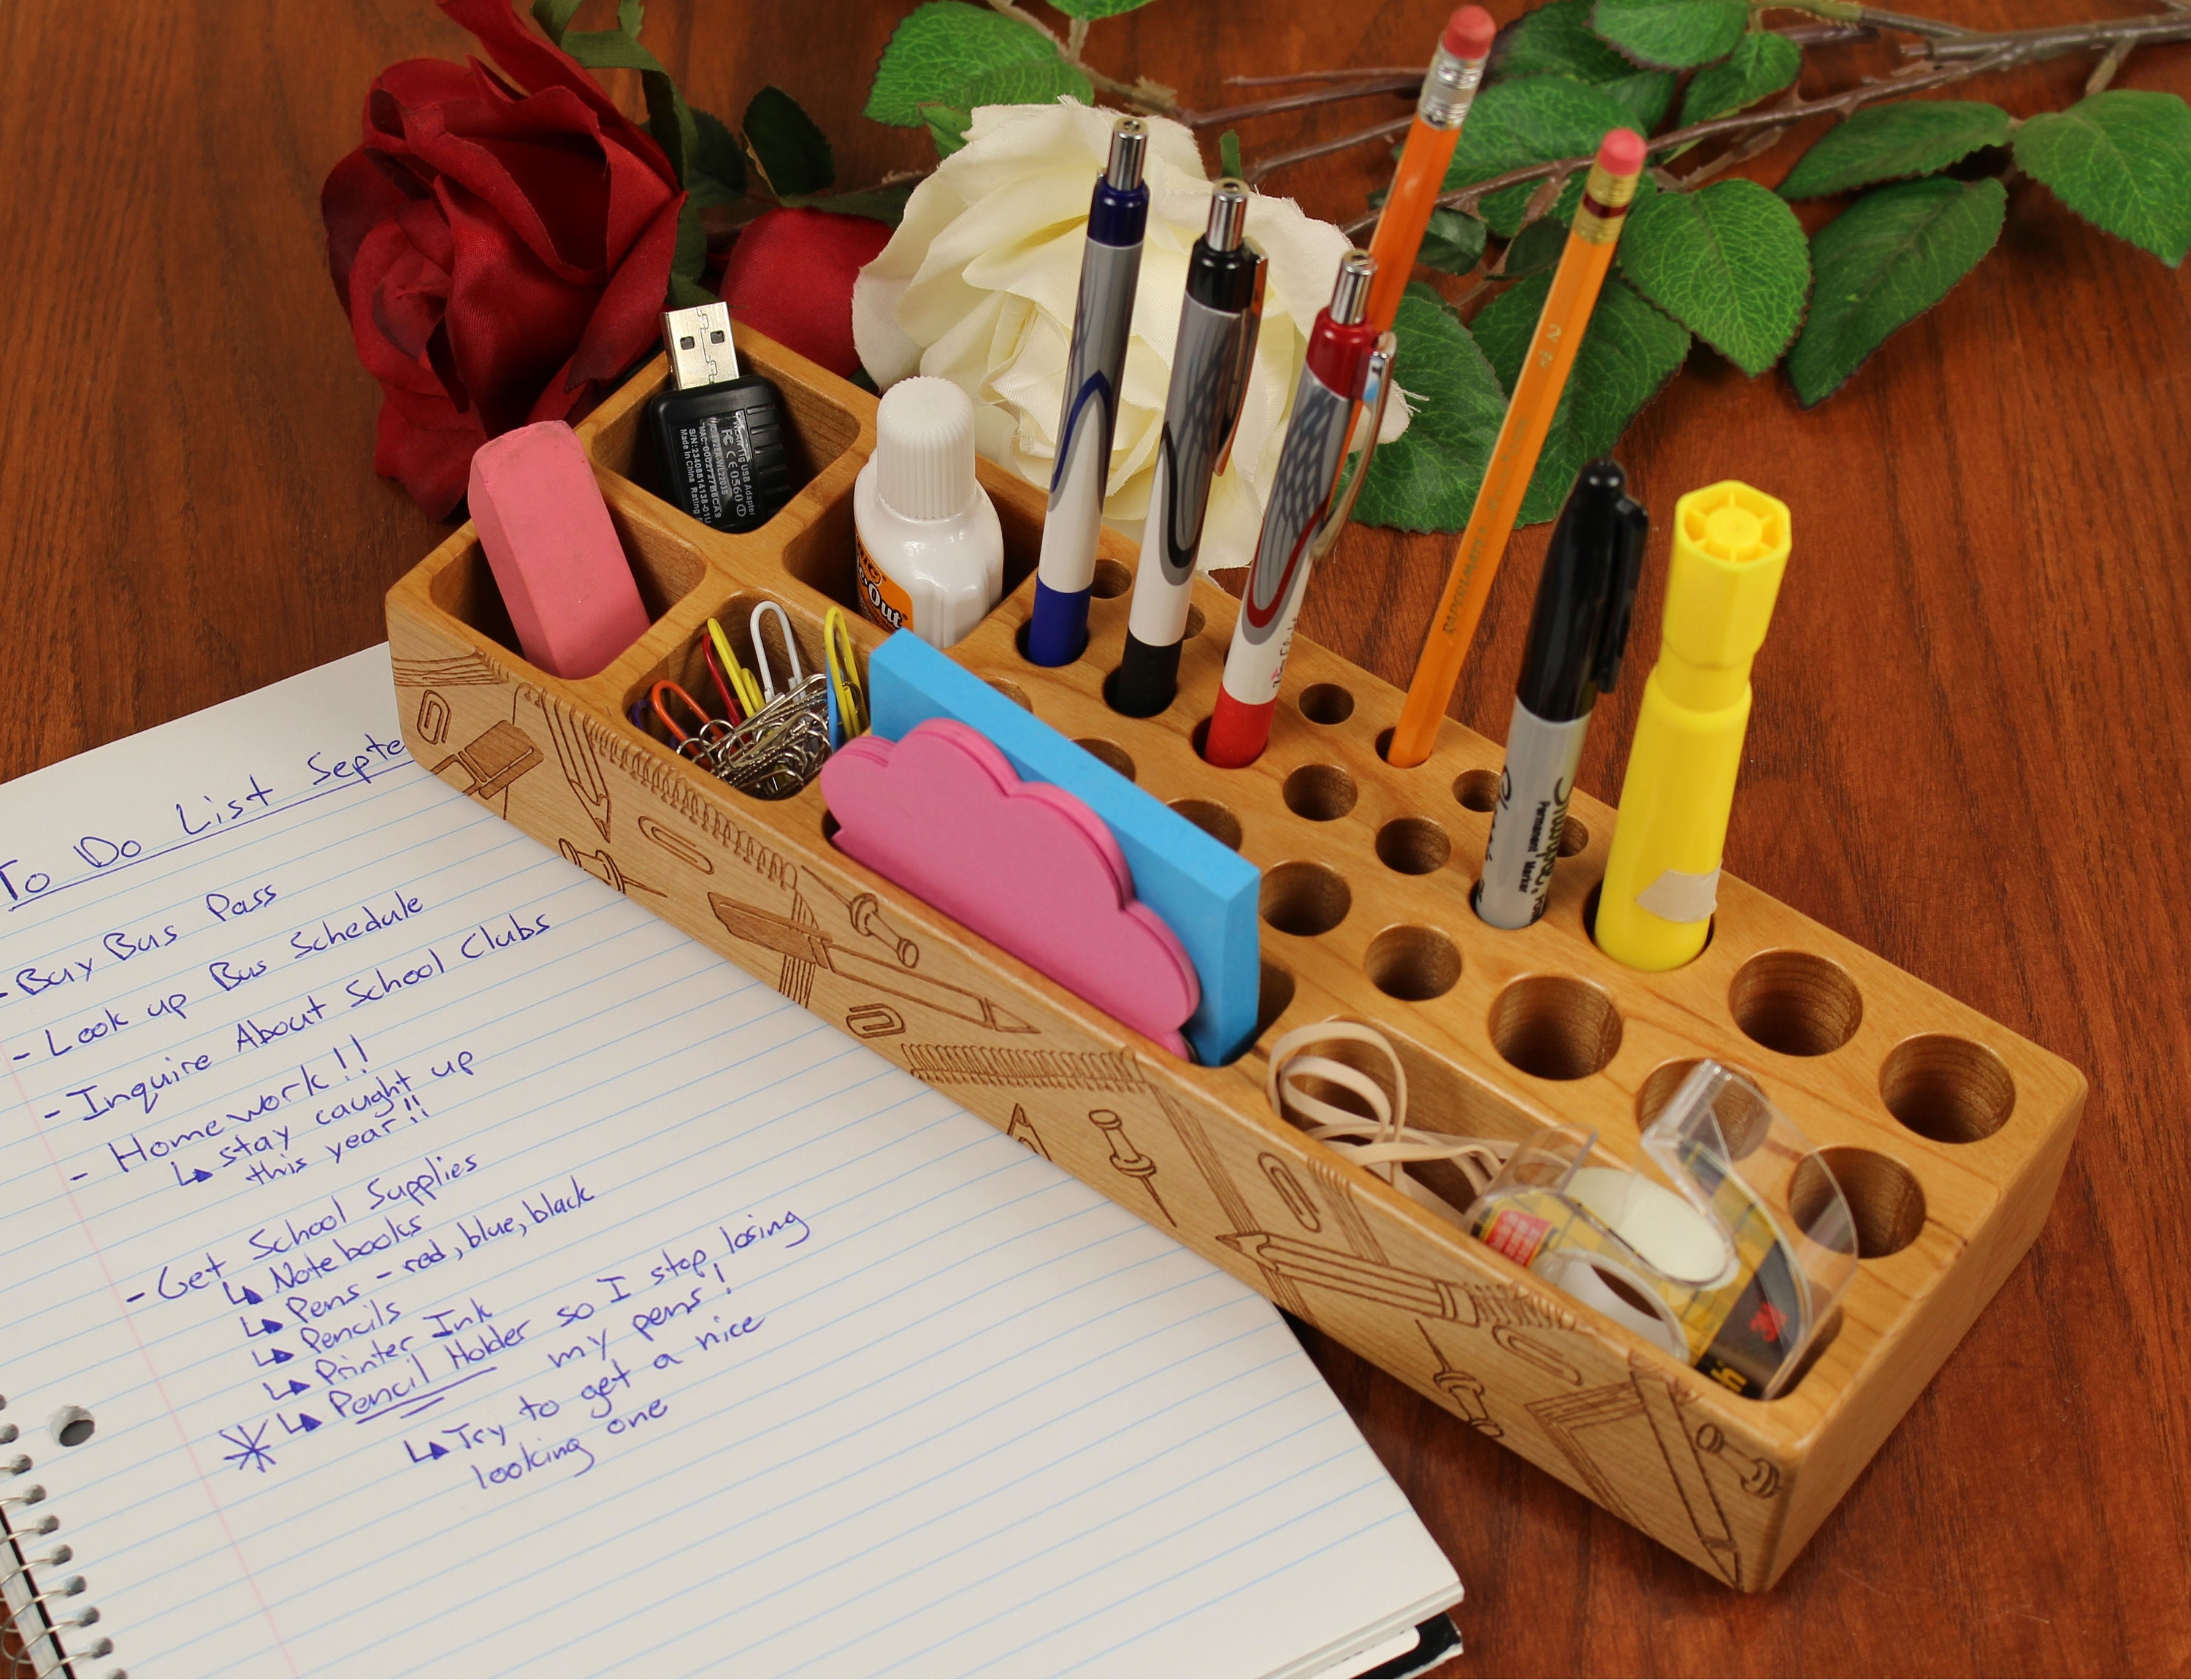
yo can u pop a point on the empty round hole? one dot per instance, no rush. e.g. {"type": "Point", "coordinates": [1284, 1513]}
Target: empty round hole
{"type": "Point", "coordinates": [1213, 819]}
{"type": "Point", "coordinates": [1414, 846]}
{"type": "Point", "coordinates": [1319, 792]}
{"type": "Point", "coordinates": [1573, 837]}
{"type": "Point", "coordinates": [1947, 1089]}
{"type": "Point", "coordinates": [1195, 621]}
{"type": "Point", "coordinates": [1795, 1002]}
{"type": "Point", "coordinates": [71, 1425]}
{"type": "Point", "coordinates": [1112, 578]}
{"type": "Point", "coordinates": [1885, 1203]}
{"type": "Point", "coordinates": [1305, 898]}
{"type": "Point", "coordinates": [1110, 752]}
{"type": "Point", "coordinates": [1554, 1026]}
{"type": "Point", "coordinates": [1477, 789]}
{"type": "Point", "coordinates": [1274, 991]}
{"type": "Point", "coordinates": [1326, 702]}
{"type": "Point", "coordinates": [1413, 963]}
{"type": "Point", "coordinates": [1743, 1125]}
{"type": "Point", "coordinates": [1013, 692]}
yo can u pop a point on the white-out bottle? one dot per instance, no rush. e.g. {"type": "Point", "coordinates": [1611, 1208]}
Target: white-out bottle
{"type": "Point", "coordinates": [931, 555]}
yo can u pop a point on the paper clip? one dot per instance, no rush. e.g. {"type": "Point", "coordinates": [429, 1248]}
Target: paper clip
{"type": "Point", "coordinates": [798, 672]}
{"type": "Point", "coordinates": [843, 659]}
{"type": "Point", "coordinates": [720, 678]}
{"type": "Point", "coordinates": [705, 730]}
{"type": "Point", "coordinates": [741, 680]}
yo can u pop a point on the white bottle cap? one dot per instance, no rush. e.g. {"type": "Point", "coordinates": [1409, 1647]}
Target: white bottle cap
{"type": "Point", "coordinates": [924, 449]}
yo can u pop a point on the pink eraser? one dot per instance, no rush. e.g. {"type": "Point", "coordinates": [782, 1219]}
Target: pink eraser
{"type": "Point", "coordinates": [1468, 33]}
{"type": "Point", "coordinates": [555, 556]}
{"type": "Point", "coordinates": [1620, 153]}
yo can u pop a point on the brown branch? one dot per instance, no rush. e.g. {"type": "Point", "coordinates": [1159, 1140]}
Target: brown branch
{"type": "Point", "coordinates": [1397, 81]}
{"type": "Point", "coordinates": [2103, 72]}
{"type": "Point", "coordinates": [1376, 74]}
{"type": "Point", "coordinates": [1262, 168]}
{"type": "Point", "coordinates": [2030, 46]}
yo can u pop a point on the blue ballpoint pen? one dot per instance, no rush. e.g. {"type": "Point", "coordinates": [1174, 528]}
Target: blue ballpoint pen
{"type": "Point", "coordinates": [1110, 267]}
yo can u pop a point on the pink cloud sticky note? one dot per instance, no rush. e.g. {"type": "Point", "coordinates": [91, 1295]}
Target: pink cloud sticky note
{"type": "Point", "coordinates": [1027, 865]}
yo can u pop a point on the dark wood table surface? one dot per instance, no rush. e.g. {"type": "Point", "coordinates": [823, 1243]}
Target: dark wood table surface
{"type": "Point", "coordinates": [1969, 749]}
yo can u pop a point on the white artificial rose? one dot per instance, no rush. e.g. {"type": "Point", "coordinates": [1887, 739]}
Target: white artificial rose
{"type": "Point", "coordinates": [978, 284]}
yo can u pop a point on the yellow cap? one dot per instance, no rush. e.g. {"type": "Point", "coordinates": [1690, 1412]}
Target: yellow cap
{"type": "Point", "coordinates": [1730, 547]}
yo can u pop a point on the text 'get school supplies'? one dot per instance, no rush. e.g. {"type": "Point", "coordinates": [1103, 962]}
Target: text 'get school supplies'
{"type": "Point", "coordinates": [1110, 273]}
{"type": "Point", "coordinates": [1578, 630]}
{"type": "Point", "coordinates": [1606, 195]}
{"type": "Point", "coordinates": [1348, 367]}
{"type": "Point", "coordinates": [1731, 546]}
{"type": "Point", "coordinates": [445, 1301]}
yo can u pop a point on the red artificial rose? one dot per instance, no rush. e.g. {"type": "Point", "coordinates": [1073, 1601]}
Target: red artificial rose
{"type": "Point", "coordinates": [504, 255]}
{"type": "Point", "coordinates": [790, 276]}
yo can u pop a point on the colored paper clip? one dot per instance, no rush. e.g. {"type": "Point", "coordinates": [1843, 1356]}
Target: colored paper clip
{"type": "Point", "coordinates": [846, 716]}
{"type": "Point", "coordinates": [743, 686]}
{"type": "Point", "coordinates": [690, 742]}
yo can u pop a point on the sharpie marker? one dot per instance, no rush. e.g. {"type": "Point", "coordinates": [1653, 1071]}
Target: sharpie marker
{"type": "Point", "coordinates": [1577, 634]}
{"type": "Point", "coordinates": [1110, 267]}
{"type": "Point", "coordinates": [1210, 362]}
{"type": "Point", "coordinates": [1348, 361]}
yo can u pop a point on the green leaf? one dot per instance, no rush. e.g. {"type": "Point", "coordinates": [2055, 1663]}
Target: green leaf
{"type": "Point", "coordinates": [1096, 8]}
{"type": "Point", "coordinates": [1533, 119]}
{"type": "Point", "coordinates": [792, 151]}
{"type": "Point", "coordinates": [1672, 34]}
{"type": "Point", "coordinates": [1761, 64]}
{"type": "Point", "coordinates": [1228, 154]}
{"type": "Point", "coordinates": [2122, 161]}
{"type": "Point", "coordinates": [554, 17]}
{"type": "Point", "coordinates": [1882, 263]}
{"type": "Point", "coordinates": [1037, 82]}
{"type": "Point", "coordinates": [946, 127]}
{"type": "Point", "coordinates": [668, 119]}
{"type": "Point", "coordinates": [1729, 263]}
{"type": "Point", "coordinates": [611, 49]}
{"type": "Point", "coordinates": [1628, 353]}
{"type": "Point", "coordinates": [691, 259]}
{"type": "Point", "coordinates": [1453, 243]}
{"type": "Point", "coordinates": [1427, 479]}
{"type": "Point", "coordinates": [1556, 40]}
{"type": "Point", "coordinates": [882, 203]}
{"type": "Point", "coordinates": [940, 47]}
{"type": "Point", "coordinates": [1888, 142]}
{"type": "Point", "coordinates": [1535, 249]}
{"type": "Point", "coordinates": [715, 173]}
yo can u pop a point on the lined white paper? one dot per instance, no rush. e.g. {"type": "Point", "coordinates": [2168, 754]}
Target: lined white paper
{"type": "Point", "coordinates": [468, 1274]}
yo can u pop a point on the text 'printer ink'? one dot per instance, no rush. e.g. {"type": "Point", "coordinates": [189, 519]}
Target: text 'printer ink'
{"type": "Point", "coordinates": [718, 439]}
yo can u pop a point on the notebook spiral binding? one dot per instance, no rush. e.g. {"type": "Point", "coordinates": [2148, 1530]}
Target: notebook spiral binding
{"type": "Point", "coordinates": [44, 1609]}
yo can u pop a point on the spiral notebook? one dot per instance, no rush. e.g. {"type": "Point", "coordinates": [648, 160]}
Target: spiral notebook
{"type": "Point", "coordinates": [418, 1257]}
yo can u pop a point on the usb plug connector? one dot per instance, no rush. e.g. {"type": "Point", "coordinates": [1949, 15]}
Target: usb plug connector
{"type": "Point", "coordinates": [699, 341]}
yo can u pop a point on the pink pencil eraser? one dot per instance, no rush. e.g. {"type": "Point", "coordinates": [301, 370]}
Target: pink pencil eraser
{"type": "Point", "coordinates": [555, 556]}
{"type": "Point", "coordinates": [1468, 33]}
{"type": "Point", "coordinates": [1621, 153]}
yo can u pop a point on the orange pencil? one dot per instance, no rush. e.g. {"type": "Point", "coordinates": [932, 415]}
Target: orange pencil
{"type": "Point", "coordinates": [1544, 374]}
{"type": "Point", "coordinates": [1448, 89]}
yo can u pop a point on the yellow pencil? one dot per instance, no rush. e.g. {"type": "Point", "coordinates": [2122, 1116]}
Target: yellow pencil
{"type": "Point", "coordinates": [1448, 89]}
{"type": "Point", "coordinates": [1544, 374]}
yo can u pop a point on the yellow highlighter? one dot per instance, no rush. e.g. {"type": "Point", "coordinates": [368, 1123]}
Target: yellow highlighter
{"type": "Point", "coordinates": [1662, 879]}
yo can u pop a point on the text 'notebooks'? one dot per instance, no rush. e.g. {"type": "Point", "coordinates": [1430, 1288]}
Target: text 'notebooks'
{"type": "Point", "coordinates": [418, 1258]}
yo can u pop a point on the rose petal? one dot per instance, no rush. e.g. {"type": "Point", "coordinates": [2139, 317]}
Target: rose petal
{"type": "Point", "coordinates": [509, 316]}
{"type": "Point", "coordinates": [537, 64]}
{"type": "Point", "coordinates": [626, 321]}
{"type": "Point", "coordinates": [427, 451]}
{"type": "Point", "coordinates": [356, 198]}
{"type": "Point", "coordinates": [384, 257]}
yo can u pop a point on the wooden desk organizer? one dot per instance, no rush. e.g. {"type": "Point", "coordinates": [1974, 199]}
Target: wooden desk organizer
{"type": "Point", "coordinates": [1947, 1131]}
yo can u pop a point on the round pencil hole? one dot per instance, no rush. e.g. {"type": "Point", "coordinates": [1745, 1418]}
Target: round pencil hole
{"type": "Point", "coordinates": [1554, 1026]}
{"type": "Point", "coordinates": [1013, 692]}
{"type": "Point", "coordinates": [1305, 898]}
{"type": "Point", "coordinates": [1215, 820]}
{"type": "Point", "coordinates": [71, 1425]}
{"type": "Point", "coordinates": [1274, 993]}
{"type": "Point", "coordinates": [1413, 963]}
{"type": "Point", "coordinates": [1112, 578]}
{"type": "Point", "coordinates": [1885, 1202]}
{"type": "Point", "coordinates": [1413, 845]}
{"type": "Point", "coordinates": [1326, 702]}
{"type": "Point", "coordinates": [1477, 789]}
{"type": "Point", "coordinates": [1743, 1125]}
{"type": "Point", "coordinates": [1323, 792]}
{"type": "Point", "coordinates": [1573, 838]}
{"type": "Point", "coordinates": [1110, 752]}
{"type": "Point", "coordinates": [1195, 621]}
{"type": "Point", "coordinates": [1795, 1002]}
{"type": "Point", "coordinates": [1947, 1089]}
{"type": "Point", "coordinates": [1020, 642]}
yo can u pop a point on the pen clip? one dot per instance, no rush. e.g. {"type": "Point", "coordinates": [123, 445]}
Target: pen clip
{"type": "Point", "coordinates": [1376, 391]}
{"type": "Point", "coordinates": [1634, 530]}
{"type": "Point", "coordinates": [1243, 360]}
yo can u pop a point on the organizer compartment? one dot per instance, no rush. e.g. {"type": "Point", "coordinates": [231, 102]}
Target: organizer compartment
{"type": "Point", "coordinates": [1947, 1131]}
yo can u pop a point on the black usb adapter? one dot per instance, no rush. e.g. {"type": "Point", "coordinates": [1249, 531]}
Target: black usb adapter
{"type": "Point", "coordinates": [719, 438]}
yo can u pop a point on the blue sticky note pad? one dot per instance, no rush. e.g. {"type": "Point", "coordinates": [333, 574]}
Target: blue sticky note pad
{"type": "Point", "coordinates": [1203, 889]}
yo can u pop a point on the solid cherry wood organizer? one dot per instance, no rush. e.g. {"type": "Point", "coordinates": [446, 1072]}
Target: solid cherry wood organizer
{"type": "Point", "coordinates": [1948, 1132]}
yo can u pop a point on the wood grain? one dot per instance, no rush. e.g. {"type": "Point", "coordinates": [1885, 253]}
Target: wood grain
{"type": "Point", "coordinates": [1968, 752]}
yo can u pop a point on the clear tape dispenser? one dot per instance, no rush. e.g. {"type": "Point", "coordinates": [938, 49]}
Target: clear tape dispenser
{"type": "Point", "coordinates": [1731, 1260]}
